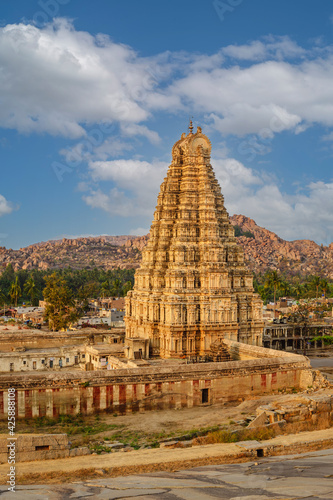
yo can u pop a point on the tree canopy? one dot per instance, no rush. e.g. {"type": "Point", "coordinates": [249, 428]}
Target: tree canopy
{"type": "Point", "coordinates": [60, 310]}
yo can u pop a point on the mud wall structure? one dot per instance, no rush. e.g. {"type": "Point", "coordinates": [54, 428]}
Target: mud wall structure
{"type": "Point", "coordinates": [155, 388]}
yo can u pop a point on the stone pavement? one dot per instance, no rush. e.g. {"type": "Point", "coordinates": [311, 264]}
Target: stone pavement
{"type": "Point", "coordinates": [291, 443]}
{"type": "Point", "coordinates": [306, 476]}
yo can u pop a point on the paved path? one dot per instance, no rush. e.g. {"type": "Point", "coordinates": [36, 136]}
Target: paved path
{"type": "Point", "coordinates": [322, 362]}
{"type": "Point", "coordinates": [307, 476]}
{"type": "Point", "coordinates": [222, 453]}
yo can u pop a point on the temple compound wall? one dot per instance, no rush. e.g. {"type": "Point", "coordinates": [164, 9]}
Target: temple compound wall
{"type": "Point", "coordinates": [193, 287]}
{"type": "Point", "coordinates": [254, 371]}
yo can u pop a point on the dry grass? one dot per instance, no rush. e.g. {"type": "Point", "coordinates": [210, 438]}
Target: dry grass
{"type": "Point", "coordinates": [227, 436]}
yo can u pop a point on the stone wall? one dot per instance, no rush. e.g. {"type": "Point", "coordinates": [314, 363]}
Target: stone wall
{"type": "Point", "coordinates": [36, 339]}
{"type": "Point", "coordinates": [29, 447]}
{"type": "Point", "coordinates": [304, 413]}
{"type": "Point", "coordinates": [162, 387]}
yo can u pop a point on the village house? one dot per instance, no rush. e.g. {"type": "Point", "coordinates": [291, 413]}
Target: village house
{"type": "Point", "coordinates": [46, 359]}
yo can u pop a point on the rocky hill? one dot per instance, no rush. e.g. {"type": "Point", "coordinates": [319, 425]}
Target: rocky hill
{"type": "Point", "coordinates": [107, 252]}
{"type": "Point", "coordinates": [263, 250]}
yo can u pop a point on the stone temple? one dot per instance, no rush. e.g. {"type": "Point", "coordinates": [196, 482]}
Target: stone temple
{"type": "Point", "coordinates": [193, 288]}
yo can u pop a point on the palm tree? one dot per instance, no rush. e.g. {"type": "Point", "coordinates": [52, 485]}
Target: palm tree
{"type": "Point", "coordinates": [2, 297]}
{"type": "Point", "coordinates": [285, 287]}
{"type": "Point", "coordinates": [15, 291]}
{"type": "Point", "coordinates": [273, 280]}
{"type": "Point", "coordinates": [298, 290]}
{"type": "Point", "coordinates": [315, 283]}
{"type": "Point", "coordinates": [105, 288]}
{"type": "Point", "coordinates": [30, 289]}
{"type": "Point", "coordinates": [116, 287]}
{"type": "Point", "coordinates": [324, 286]}
{"type": "Point", "coordinates": [127, 287]}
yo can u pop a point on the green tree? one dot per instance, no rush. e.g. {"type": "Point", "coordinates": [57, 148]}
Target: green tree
{"type": "Point", "coordinates": [273, 280]}
{"type": "Point", "coordinates": [3, 297]}
{"type": "Point", "coordinates": [315, 284]}
{"type": "Point", "coordinates": [60, 309]}
{"type": "Point", "coordinates": [327, 339]}
{"type": "Point", "coordinates": [298, 290]}
{"type": "Point", "coordinates": [30, 289]}
{"type": "Point", "coordinates": [105, 289]}
{"type": "Point", "coordinates": [126, 288]}
{"type": "Point", "coordinates": [324, 285]}
{"type": "Point", "coordinates": [116, 287]}
{"type": "Point", "coordinates": [264, 293]}
{"type": "Point", "coordinates": [285, 287]}
{"type": "Point", "coordinates": [8, 274]}
{"type": "Point", "coordinates": [15, 291]}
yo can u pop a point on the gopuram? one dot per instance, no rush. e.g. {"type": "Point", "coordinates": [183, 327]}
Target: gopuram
{"type": "Point", "coordinates": [193, 288]}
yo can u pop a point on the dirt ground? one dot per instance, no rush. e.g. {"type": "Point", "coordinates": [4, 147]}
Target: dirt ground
{"type": "Point", "coordinates": [149, 428]}
{"type": "Point", "coordinates": [140, 431]}
{"type": "Point", "coordinates": [152, 460]}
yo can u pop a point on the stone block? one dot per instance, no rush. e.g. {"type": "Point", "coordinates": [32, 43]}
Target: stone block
{"type": "Point", "coordinates": [259, 421]}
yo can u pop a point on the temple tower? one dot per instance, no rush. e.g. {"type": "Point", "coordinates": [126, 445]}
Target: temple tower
{"type": "Point", "coordinates": [193, 288]}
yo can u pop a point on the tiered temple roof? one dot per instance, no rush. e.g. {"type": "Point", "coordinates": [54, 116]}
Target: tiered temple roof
{"type": "Point", "coordinates": [193, 287]}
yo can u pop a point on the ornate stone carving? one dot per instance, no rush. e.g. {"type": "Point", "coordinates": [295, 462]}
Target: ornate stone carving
{"type": "Point", "coordinates": [193, 288]}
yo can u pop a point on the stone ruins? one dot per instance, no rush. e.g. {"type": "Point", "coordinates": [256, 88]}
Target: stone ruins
{"type": "Point", "coordinates": [193, 288]}
{"type": "Point", "coordinates": [193, 298]}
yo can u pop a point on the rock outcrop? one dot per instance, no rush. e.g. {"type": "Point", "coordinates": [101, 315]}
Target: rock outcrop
{"type": "Point", "coordinates": [265, 250]}
{"type": "Point", "coordinates": [107, 252]}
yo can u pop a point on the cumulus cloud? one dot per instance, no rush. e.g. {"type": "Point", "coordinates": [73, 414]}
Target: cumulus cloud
{"type": "Point", "coordinates": [56, 79]}
{"type": "Point", "coordinates": [307, 214]}
{"type": "Point", "coordinates": [129, 174]}
{"type": "Point", "coordinates": [244, 100]}
{"type": "Point", "coordinates": [62, 81]}
{"type": "Point", "coordinates": [132, 129]}
{"type": "Point", "coordinates": [5, 206]}
{"type": "Point", "coordinates": [270, 47]}
{"type": "Point", "coordinates": [139, 231]}
{"type": "Point", "coordinates": [135, 186]}
{"type": "Point", "coordinates": [83, 152]}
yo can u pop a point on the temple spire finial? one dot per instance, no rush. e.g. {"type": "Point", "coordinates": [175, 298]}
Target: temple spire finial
{"type": "Point", "coordinates": [190, 127]}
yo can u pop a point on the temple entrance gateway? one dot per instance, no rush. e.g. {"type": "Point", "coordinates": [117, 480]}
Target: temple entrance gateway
{"type": "Point", "coordinates": [193, 288]}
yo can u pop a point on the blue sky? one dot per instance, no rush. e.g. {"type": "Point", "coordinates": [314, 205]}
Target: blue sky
{"type": "Point", "coordinates": [94, 94]}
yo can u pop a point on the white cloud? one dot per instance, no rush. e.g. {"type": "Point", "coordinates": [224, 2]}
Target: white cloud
{"type": "Point", "coordinates": [5, 206]}
{"type": "Point", "coordinates": [271, 47]}
{"type": "Point", "coordinates": [242, 119]}
{"type": "Point", "coordinates": [245, 100]}
{"type": "Point", "coordinates": [136, 184]}
{"type": "Point", "coordinates": [86, 151]}
{"type": "Point", "coordinates": [56, 79]}
{"type": "Point", "coordinates": [60, 81]}
{"type": "Point", "coordinates": [246, 191]}
{"type": "Point", "coordinates": [129, 174]}
{"type": "Point", "coordinates": [305, 215]}
{"type": "Point", "coordinates": [115, 202]}
{"type": "Point", "coordinates": [328, 137]}
{"type": "Point", "coordinates": [132, 129]}
{"type": "Point", "coordinates": [139, 231]}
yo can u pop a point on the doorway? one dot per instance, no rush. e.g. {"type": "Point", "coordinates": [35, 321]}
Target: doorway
{"type": "Point", "coordinates": [204, 396]}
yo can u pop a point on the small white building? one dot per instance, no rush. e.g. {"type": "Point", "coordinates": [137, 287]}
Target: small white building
{"type": "Point", "coordinates": [46, 359]}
